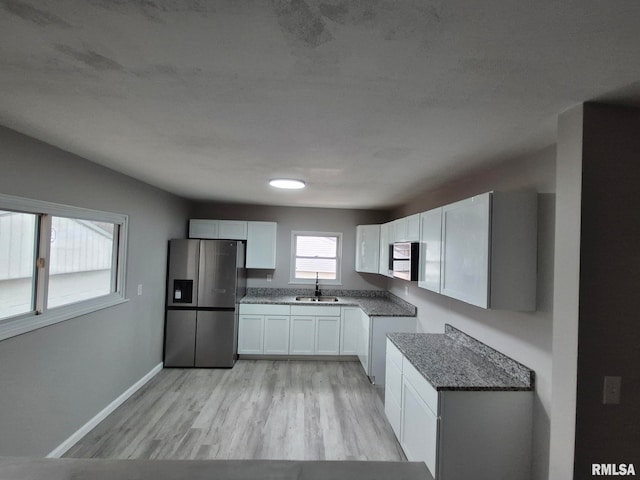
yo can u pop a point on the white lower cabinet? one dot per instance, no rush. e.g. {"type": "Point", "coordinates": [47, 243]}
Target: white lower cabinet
{"type": "Point", "coordinates": [393, 389]}
{"type": "Point", "coordinates": [268, 329]}
{"type": "Point", "coordinates": [315, 336]}
{"type": "Point", "coordinates": [459, 434]}
{"type": "Point", "coordinates": [315, 330]}
{"type": "Point", "coordinates": [418, 427]}
{"type": "Point", "coordinates": [327, 336]}
{"type": "Point", "coordinates": [251, 334]}
{"type": "Point", "coordinates": [349, 329]}
{"type": "Point", "coordinates": [263, 329]}
{"type": "Point", "coordinates": [303, 336]}
{"type": "Point", "coordinates": [276, 334]}
{"type": "Point", "coordinates": [372, 340]}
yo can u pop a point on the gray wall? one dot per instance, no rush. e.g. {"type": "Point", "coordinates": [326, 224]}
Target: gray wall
{"type": "Point", "coordinates": [609, 332]}
{"type": "Point", "coordinates": [526, 337]}
{"type": "Point", "coordinates": [309, 219]}
{"type": "Point", "coordinates": [57, 378]}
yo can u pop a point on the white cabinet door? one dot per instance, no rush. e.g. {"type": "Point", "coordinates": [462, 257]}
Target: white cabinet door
{"type": "Point", "coordinates": [465, 254]}
{"type": "Point", "coordinates": [276, 335]}
{"type": "Point", "coordinates": [419, 428]}
{"type": "Point", "coordinates": [367, 248]}
{"type": "Point", "coordinates": [232, 230]}
{"type": "Point", "coordinates": [350, 327]}
{"type": "Point", "coordinates": [398, 230]}
{"type": "Point", "coordinates": [384, 250]}
{"type": "Point", "coordinates": [430, 249]}
{"type": "Point", "coordinates": [250, 334]}
{"type": "Point", "coordinates": [327, 336]}
{"type": "Point", "coordinates": [413, 228]}
{"type": "Point", "coordinates": [302, 335]}
{"type": "Point", "coordinates": [202, 228]}
{"type": "Point", "coordinates": [261, 244]}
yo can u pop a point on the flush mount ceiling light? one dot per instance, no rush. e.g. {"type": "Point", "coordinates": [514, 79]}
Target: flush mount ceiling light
{"type": "Point", "coordinates": [288, 183]}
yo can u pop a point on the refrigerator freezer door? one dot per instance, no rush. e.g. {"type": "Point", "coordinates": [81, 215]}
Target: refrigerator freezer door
{"type": "Point", "coordinates": [179, 348]}
{"type": "Point", "coordinates": [216, 338]}
{"type": "Point", "coordinates": [218, 274]}
{"type": "Point", "coordinates": [182, 283]}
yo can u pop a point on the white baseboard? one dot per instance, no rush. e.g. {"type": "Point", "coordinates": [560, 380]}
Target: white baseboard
{"type": "Point", "coordinates": [87, 427]}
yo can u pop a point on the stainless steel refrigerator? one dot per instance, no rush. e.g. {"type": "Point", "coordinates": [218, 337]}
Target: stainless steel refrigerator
{"type": "Point", "coordinates": [206, 280]}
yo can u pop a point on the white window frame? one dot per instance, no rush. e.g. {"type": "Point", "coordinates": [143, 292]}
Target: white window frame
{"type": "Point", "coordinates": [42, 317]}
{"type": "Point", "coordinates": [321, 281]}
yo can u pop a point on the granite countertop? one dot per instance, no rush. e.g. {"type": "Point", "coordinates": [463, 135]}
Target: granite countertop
{"type": "Point", "coordinates": [456, 361]}
{"type": "Point", "coordinates": [374, 303]}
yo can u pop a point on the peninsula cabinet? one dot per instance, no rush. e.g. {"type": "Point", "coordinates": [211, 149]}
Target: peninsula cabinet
{"type": "Point", "coordinates": [367, 248]}
{"type": "Point", "coordinates": [372, 339]}
{"type": "Point", "coordinates": [459, 434]}
{"type": "Point", "coordinates": [489, 250]}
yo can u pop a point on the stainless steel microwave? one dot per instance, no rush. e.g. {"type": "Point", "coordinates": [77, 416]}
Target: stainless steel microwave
{"type": "Point", "coordinates": [403, 260]}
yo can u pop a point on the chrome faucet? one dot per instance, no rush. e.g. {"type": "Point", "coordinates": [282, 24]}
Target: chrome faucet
{"type": "Point", "coordinates": [318, 293]}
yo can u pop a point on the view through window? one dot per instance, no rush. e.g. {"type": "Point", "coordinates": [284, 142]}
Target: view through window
{"type": "Point", "coordinates": [57, 262]}
{"type": "Point", "coordinates": [316, 254]}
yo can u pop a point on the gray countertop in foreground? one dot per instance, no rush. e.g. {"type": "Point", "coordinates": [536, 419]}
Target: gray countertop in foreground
{"type": "Point", "coordinates": [456, 361]}
{"type": "Point", "coordinates": [373, 303]}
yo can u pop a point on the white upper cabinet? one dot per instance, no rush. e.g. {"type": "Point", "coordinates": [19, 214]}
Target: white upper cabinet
{"type": "Point", "coordinates": [261, 244]}
{"type": "Point", "coordinates": [384, 249]}
{"type": "Point", "coordinates": [201, 228]}
{"type": "Point", "coordinates": [465, 256]}
{"type": "Point", "coordinates": [430, 249]}
{"type": "Point", "coordinates": [489, 250]}
{"type": "Point", "coordinates": [368, 248]}
{"type": "Point", "coordinates": [260, 237]}
{"type": "Point", "coordinates": [413, 228]}
{"type": "Point", "coordinates": [232, 229]}
{"type": "Point", "coordinates": [218, 229]}
{"type": "Point", "coordinates": [406, 229]}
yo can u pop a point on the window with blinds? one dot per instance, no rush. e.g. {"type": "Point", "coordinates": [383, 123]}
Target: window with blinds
{"type": "Point", "coordinates": [316, 255]}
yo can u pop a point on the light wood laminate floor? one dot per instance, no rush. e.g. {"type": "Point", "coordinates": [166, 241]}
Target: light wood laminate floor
{"type": "Point", "coordinates": [259, 409]}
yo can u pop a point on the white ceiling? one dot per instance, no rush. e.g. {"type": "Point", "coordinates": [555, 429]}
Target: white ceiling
{"type": "Point", "coordinates": [369, 101]}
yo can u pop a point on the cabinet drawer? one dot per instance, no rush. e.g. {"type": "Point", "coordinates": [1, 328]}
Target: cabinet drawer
{"type": "Point", "coordinates": [315, 311]}
{"type": "Point", "coordinates": [423, 388]}
{"type": "Point", "coordinates": [263, 309]}
{"type": "Point", "coordinates": [394, 354]}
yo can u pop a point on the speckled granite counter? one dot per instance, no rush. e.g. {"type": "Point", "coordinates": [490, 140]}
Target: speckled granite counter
{"type": "Point", "coordinates": [456, 361]}
{"type": "Point", "coordinates": [374, 303]}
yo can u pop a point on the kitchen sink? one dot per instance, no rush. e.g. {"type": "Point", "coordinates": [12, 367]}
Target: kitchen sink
{"type": "Point", "coordinates": [317, 299]}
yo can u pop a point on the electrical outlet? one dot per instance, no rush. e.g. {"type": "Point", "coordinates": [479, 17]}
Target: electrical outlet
{"type": "Point", "coordinates": [269, 277]}
{"type": "Point", "coordinates": [406, 290]}
{"type": "Point", "coordinates": [611, 394]}
{"type": "Point", "coordinates": [140, 289]}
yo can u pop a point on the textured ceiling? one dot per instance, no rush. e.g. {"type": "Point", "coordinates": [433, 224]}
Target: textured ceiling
{"type": "Point", "coordinates": [369, 101]}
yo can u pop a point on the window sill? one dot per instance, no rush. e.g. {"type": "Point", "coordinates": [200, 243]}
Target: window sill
{"type": "Point", "coordinates": [29, 322]}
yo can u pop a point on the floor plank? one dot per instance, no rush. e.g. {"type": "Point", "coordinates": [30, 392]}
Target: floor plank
{"type": "Point", "coordinates": [260, 409]}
